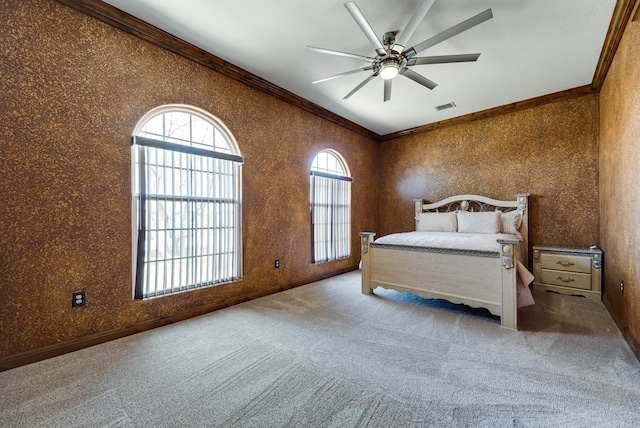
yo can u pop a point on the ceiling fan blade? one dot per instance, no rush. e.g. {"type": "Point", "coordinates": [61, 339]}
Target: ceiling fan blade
{"type": "Point", "coordinates": [412, 25]}
{"type": "Point", "coordinates": [387, 89]}
{"type": "Point", "coordinates": [346, 73]}
{"type": "Point", "coordinates": [360, 86]}
{"type": "Point", "coordinates": [442, 59]}
{"type": "Point", "coordinates": [418, 78]}
{"type": "Point", "coordinates": [362, 22]}
{"type": "Point", "coordinates": [333, 52]}
{"type": "Point", "coordinates": [447, 34]}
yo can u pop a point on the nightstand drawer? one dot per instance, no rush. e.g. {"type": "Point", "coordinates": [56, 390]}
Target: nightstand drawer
{"type": "Point", "coordinates": [566, 279]}
{"type": "Point", "coordinates": [567, 263]}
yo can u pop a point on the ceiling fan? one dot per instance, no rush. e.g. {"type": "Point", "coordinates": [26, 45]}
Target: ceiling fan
{"type": "Point", "coordinates": [392, 58]}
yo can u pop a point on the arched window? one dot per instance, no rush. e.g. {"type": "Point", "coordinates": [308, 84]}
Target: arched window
{"type": "Point", "coordinates": [186, 192]}
{"type": "Point", "coordinates": [330, 207]}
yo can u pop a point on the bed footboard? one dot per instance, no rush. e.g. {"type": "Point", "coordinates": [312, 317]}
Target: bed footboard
{"type": "Point", "coordinates": [477, 281]}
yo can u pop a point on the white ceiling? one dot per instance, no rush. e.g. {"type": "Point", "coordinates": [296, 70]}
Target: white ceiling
{"type": "Point", "coordinates": [530, 48]}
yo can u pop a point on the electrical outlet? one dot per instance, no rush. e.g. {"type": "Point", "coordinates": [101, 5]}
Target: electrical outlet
{"type": "Point", "coordinates": [276, 264]}
{"type": "Point", "coordinates": [622, 286]}
{"type": "Point", "coordinates": [78, 298]}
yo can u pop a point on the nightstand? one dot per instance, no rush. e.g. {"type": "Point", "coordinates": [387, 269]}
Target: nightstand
{"type": "Point", "coordinates": [576, 271]}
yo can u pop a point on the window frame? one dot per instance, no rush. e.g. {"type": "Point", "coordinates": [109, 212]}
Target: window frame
{"type": "Point", "coordinates": [215, 155]}
{"type": "Point", "coordinates": [338, 178]}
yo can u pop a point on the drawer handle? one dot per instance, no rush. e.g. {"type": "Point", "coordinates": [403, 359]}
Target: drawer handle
{"type": "Point", "coordinates": [565, 280]}
{"type": "Point", "coordinates": [565, 264]}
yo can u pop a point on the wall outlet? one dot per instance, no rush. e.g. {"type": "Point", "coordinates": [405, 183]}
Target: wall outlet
{"type": "Point", "coordinates": [276, 264]}
{"type": "Point", "coordinates": [78, 298]}
{"type": "Point", "coordinates": [622, 286]}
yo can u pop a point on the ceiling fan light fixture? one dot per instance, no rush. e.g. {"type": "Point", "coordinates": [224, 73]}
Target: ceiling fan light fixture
{"type": "Point", "coordinates": [389, 69]}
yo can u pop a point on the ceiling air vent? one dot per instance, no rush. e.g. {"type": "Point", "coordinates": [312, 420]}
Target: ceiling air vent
{"type": "Point", "coordinates": [446, 106]}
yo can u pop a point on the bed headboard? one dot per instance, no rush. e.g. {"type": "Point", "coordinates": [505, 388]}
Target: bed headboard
{"type": "Point", "coordinates": [482, 203]}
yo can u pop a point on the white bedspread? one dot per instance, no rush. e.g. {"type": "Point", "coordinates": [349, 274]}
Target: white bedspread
{"type": "Point", "coordinates": [465, 241]}
{"type": "Point", "coordinates": [447, 240]}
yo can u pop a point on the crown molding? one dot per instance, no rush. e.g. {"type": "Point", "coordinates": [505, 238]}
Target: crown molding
{"type": "Point", "coordinates": [496, 111]}
{"type": "Point", "coordinates": [621, 17]}
{"type": "Point", "coordinates": [132, 25]}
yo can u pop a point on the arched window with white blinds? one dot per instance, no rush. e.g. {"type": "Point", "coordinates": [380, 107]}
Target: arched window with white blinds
{"type": "Point", "coordinates": [330, 199]}
{"type": "Point", "coordinates": [186, 194]}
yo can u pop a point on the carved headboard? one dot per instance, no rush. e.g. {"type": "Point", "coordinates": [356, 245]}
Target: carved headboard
{"type": "Point", "coordinates": [482, 203]}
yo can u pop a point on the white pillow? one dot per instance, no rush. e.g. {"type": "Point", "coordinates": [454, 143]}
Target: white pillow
{"type": "Point", "coordinates": [479, 222]}
{"type": "Point", "coordinates": [436, 222]}
{"type": "Point", "coordinates": [510, 222]}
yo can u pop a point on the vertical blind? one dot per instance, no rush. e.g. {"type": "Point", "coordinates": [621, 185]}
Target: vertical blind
{"type": "Point", "coordinates": [330, 216]}
{"type": "Point", "coordinates": [189, 218]}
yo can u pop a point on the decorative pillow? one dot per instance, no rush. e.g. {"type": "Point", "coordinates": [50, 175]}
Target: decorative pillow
{"type": "Point", "coordinates": [510, 222]}
{"type": "Point", "coordinates": [479, 222]}
{"type": "Point", "coordinates": [437, 222]}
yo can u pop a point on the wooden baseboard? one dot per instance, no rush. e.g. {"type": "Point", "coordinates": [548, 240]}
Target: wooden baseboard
{"type": "Point", "coordinates": [632, 341]}
{"type": "Point", "coordinates": [22, 359]}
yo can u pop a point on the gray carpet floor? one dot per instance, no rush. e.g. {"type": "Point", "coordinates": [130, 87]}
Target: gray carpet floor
{"type": "Point", "coordinates": [324, 355]}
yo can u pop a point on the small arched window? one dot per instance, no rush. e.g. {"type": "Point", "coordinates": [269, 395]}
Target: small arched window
{"type": "Point", "coordinates": [186, 192]}
{"type": "Point", "coordinates": [330, 207]}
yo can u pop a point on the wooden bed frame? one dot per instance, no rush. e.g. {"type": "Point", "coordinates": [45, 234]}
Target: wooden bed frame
{"type": "Point", "coordinates": [477, 279]}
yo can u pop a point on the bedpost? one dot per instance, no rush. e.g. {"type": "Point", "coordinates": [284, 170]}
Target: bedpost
{"type": "Point", "coordinates": [417, 209]}
{"type": "Point", "coordinates": [523, 205]}
{"type": "Point", "coordinates": [508, 254]}
{"type": "Point", "coordinates": [365, 241]}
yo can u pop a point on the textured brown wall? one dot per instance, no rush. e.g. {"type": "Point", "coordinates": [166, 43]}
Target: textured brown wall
{"type": "Point", "coordinates": [620, 183]}
{"type": "Point", "coordinates": [549, 151]}
{"type": "Point", "coordinates": [72, 91]}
